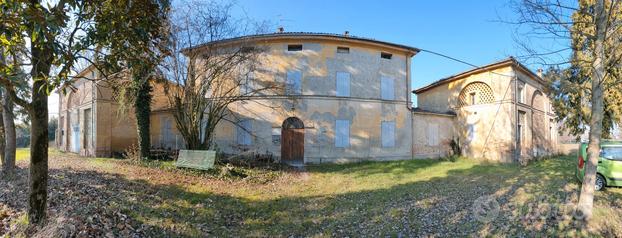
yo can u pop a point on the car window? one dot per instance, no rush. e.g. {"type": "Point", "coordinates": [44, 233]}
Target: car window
{"type": "Point", "coordinates": [612, 153]}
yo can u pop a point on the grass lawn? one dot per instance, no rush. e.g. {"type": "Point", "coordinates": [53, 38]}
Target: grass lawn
{"type": "Point", "coordinates": [404, 198]}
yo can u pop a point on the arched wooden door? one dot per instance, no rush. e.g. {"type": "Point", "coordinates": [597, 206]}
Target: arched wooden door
{"type": "Point", "coordinates": [293, 141]}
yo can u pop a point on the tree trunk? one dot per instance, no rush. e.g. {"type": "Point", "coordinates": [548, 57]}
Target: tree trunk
{"type": "Point", "coordinates": [142, 106]}
{"type": "Point", "coordinates": [2, 146]}
{"type": "Point", "coordinates": [38, 177]}
{"type": "Point", "coordinates": [586, 198]}
{"type": "Point", "coordinates": [9, 143]}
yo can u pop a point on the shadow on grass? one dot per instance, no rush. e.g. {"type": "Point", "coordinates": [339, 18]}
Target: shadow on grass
{"type": "Point", "coordinates": [442, 206]}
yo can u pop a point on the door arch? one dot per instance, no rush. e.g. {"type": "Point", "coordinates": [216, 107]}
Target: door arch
{"type": "Point", "coordinates": [293, 141]}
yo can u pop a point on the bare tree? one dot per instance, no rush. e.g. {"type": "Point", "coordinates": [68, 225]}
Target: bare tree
{"type": "Point", "coordinates": [592, 29]}
{"type": "Point", "coordinates": [204, 79]}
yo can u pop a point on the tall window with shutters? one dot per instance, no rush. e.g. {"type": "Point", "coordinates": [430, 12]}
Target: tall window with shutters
{"type": "Point", "coordinates": [387, 89]}
{"type": "Point", "coordinates": [520, 132]}
{"type": "Point", "coordinates": [388, 134]}
{"type": "Point", "coordinates": [243, 131]}
{"type": "Point", "coordinates": [342, 133]}
{"type": "Point", "coordinates": [166, 132]}
{"type": "Point", "coordinates": [471, 132]}
{"type": "Point", "coordinates": [343, 84]}
{"type": "Point", "coordinates": [293, 82]}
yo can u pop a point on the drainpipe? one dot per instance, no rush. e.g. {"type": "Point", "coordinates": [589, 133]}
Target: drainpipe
{"type": "Point", "coordinates": [409, 107]}
{"type": "Point", "coordinates": [93, 127]}
{"type": "Point", "coordinates": [516, 149]}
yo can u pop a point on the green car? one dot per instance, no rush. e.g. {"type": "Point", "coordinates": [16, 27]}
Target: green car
{"type": "Point", "coordinates": [609, 172]}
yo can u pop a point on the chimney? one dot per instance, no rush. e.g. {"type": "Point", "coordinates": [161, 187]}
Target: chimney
{"type": "Point", "coordinates": [540, 72]}
{"type": "Point", "coordinates": [281, 29]}
{"type": "Point", "coordinates": [346, 33]}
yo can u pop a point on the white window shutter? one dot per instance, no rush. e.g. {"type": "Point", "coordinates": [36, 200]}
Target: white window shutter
{"type": "Point", "coordinates": [343, 84]}
{"type": "Point", "coordinates": [202, 132]}
{"type": "Point", "coordinates": [342, 133]}
{"type": "Point", "coordinates": [244, 130]}
{"type": "Point", "coordinates": [387, 89]}
{"type": "Point", "coordinates": [294, 84]}
{"type": "Point", "coordinates": [470, 132]}
{"type": "Point", "coordinates": [433, 139]}
{"type": "Point", "coordinates": [388, 133]}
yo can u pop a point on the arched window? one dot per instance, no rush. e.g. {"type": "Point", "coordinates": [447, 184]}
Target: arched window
{"type": "Point", "coordinates": [538, 101]}
{"type": "Point", "coordinates": [476, 93]}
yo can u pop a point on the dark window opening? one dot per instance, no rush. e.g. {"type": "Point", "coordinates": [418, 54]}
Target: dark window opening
{"type": "Point", "coordinates": [343, 50]}
{"type": "Point", "coordinates": [385, 55]}
{"type": "Point", "coordinates": [472, 98]}
{"type": "Point", "coordinates": [247, 49]}
{"type": "Point", "coordinates": [294, 47]}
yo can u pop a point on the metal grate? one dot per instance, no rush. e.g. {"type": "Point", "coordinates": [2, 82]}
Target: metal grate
{"type": "Point", "coordinates": [476, 93]}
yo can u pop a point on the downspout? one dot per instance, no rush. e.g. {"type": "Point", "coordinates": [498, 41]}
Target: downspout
{"type": "Point", "coordinates": [93, 127]}
{"type": "Point", "coordinates": [514, 101]}
{"type": "Point", "coordinates": [409, 107]}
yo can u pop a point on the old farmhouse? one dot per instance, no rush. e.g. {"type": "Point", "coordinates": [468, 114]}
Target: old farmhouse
{"type": "Point", "coordinates": [344, 98]}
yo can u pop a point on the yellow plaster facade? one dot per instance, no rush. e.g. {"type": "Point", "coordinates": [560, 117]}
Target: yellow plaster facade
{"type": "Point", "coordinates": [353, 98]}
{"type": "Point", "coordinates": [501, 112]}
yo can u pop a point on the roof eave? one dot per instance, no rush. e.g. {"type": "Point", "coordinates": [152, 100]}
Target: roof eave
{"type": "Point", "coordinates": [412, 51]}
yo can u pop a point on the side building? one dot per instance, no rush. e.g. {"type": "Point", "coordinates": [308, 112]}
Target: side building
{"type": "Point", "coordinates": [92, 123]}
{"type": "Point", "coordinates": [498, 112]}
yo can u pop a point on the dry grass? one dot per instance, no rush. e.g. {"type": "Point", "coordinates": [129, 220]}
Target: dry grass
{"type": "Point", "coordinates": [411, 198]}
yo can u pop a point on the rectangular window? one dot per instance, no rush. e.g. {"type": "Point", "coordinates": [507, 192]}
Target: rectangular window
{"type": "Point", "coordinates": [387, 90]}
{"type": "Point", "coordinates": [342, 133]}
{"type": "Point", "coordinates": [293, 81]}
{"type": "Point", "coordinates": [203, 127]}
{"type": "Point", "coordinates": [472, 98]}
{"type": "Point", "coordinates": [343, 84]}
{"type": "Point", "coordinates": [520, 93]}
{"type": "Point", "coordinates": [166, 132]}
{"type": "Point", "coordinates": [388, 133]}
{"type": "Point", "coordinates": [471, 132]}
{"type": "Point", "coordinates": [294, 47]}
{"type": "Point", "coordinates": [244, 129]}
{"type": "Point", "coordinates": [247, 49]}
{"type": "Point", "coordinates": [551, 130]}
{"type": "Point", "coordinates": [61, 126]}
{"type": "Point", "coordinates": [343, 50]}
{"type": "Point", "coordinates": [87, 129]}
{"type": "Point", "coordinates": [385, 55]}
{"type": "Point", "coordinates": [276, 136]}
{"type": "Point", "coordinates": [611, 153]}
{"type": "Point", "coordinates": [433, 135]}
{"type": "Point", "coordinates": [520, 130]}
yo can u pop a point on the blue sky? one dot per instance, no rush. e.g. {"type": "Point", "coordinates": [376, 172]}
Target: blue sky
{"type": "Point", "coordinates": [467, 30]}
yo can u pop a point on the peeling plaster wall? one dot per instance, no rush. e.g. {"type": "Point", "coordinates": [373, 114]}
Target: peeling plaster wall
{"type": "Point", "coordinates": [541, 131]}
{"type": "Point", "coordinates": [489, 130]}
{"type": "Point", "coordinates": [426, 126]}
{"type": "Point", "coordinates": [72, 107]}
{"type": "Point", "coordinates": [318, 107]}
{"type": "Point", "coordinates": [113, 130]}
